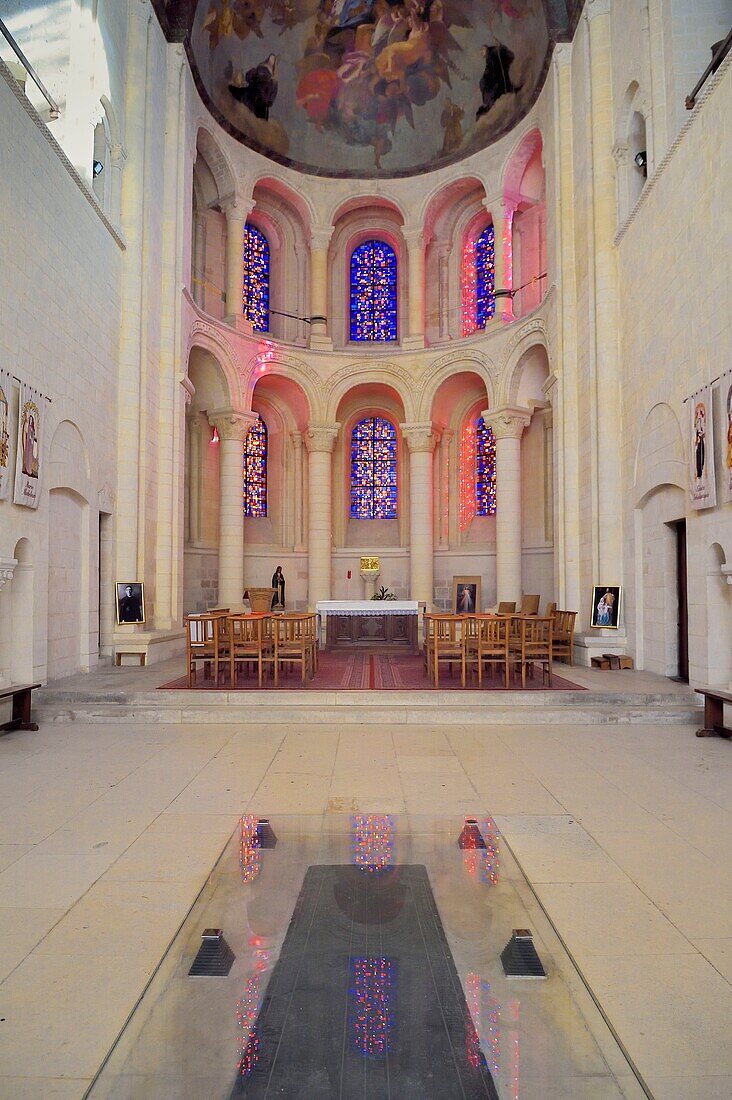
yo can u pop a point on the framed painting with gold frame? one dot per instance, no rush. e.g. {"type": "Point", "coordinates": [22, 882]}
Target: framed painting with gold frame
{"type": "Point", "coordinates": [606, 607]}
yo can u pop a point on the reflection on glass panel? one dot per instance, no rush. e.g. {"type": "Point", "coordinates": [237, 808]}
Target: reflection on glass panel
{"type": "Point", "coordinates": [373, 842]}
{"type": "Point", "coordinates": [373, 300]}
{"type": "Point", "coordinates": [256, 278]}
{"type": "Point", "coordinates": [373, 469]}
{"type": "Point", "coordinates": [255, 470]}
{"type": "Point", "coordinates": [371, 1007]}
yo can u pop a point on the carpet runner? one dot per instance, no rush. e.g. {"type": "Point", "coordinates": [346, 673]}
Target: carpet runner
{"type": "Point", "coordinates": [339, 671]}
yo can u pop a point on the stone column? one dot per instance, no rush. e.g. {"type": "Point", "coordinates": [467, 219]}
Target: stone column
{"type": "Point", "coordinates": [232, 427]}
{"type": "Point", "coordinates": [296, 438]}
{"type": "Point", "coordinates": [236, 216]}
{"type": "Point", "coordinates": [444, 523]}
{"type": "Point", "coordinates": [508, 423]}
{"type": "Point", "coordinates": [193, 426]}
{"type": "Point", "coordinates": [414, 338]}
{"type": "Point", "coordinates": [319, 240]}
{"type": "Point", "coordinates": [421, 442]}
{"type": "Point", "coordinates": [199, 258]}
{"type": "Point", "coordinates": [502, 211]}
{"type": "Point", "coordinates": [320, 440]}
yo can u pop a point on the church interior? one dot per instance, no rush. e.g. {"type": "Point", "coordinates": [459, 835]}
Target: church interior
{"type": "Point", "coordinates": [365, 549]}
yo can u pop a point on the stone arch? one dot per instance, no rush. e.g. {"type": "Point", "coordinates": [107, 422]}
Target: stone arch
{"type": "Point", "coordinates": [210, 338]}
{"type": "Point", "coordinates": [68, 464]}
{"type": "Point", "coordinates": [298, 201]}
{"type": "Point", "coordinates": [69, 573]}
{"type": "Point", "coordinates": [633, 136]}
{"type": "Point", "coordinates": [355, 224]}
{"type": "Point", "coordinates": [365, 204]}
{"type": "Point", "coordinates": [268, 362]}
{"type": "Point", "coordinates": [518, 159]}
{"type": "Point", "coordinates": [456, 212]}
{"type": "Point", "coordinates": [20, 648]}
{"type": "Point", "coordinates": [378, 373]}
{"type": "Point", "coordinates": [218, 163]}
{"type": "Point", "coordinates": [514, 360]}
{"type": "Point", "coordinates": [285, 221]}
{"type": "Point", "coordinates": [719, 616]}
{"type": "Point", "coordinates": [659, 456]}
{"type": "Point", "coordinates": [455, 362]}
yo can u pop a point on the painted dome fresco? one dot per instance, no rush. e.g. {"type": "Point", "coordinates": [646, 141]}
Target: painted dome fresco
{"type": "Point", "coordinates": [367, 88]}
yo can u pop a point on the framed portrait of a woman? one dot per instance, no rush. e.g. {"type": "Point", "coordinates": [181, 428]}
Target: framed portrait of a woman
{"type": "Point", "coordinates": [605, 607]}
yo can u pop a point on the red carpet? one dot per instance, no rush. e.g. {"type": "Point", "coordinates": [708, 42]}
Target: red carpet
{"type": "Point", "coordinates": [343, 671]}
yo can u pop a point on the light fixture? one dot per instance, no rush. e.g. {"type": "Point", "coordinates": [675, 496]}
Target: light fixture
{"type": "Point", "coordinates": [641, 161]}
{"type": "Point", "coordinates": [97, 168]}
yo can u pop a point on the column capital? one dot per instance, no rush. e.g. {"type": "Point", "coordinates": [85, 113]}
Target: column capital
{"type": "Point", "coordinates": [237, 209]}
{"type": "Point", "coordinates": [321, 437]}
{"type": "Point", "coordinates": [507, 421]}
{"type": "Point", "coordinates": [296, 437]}
{"type": "Point", "coordinates": [232, 424]}
{"type": "Point", "coordinates": [7, 568]}
{"type": "Point", "coordinates": [420, 437]}
{"type": "Point", "coordinates": [413, 236]}
{"type": "Point", "coordinates": [447, 435]}
{"type": "Point", "coordinates": [193, 423]}
{"type": "Point", "coordinates": [320, 237]}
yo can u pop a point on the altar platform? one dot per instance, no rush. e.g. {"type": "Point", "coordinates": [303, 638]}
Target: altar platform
{"type": "Point", "coordinates": [369, 623]}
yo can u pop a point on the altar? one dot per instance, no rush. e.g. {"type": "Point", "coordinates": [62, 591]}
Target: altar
{"type": "Point", "coordinates": [344, 623]}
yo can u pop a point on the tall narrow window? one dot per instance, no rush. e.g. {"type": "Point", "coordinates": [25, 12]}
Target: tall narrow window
{"type": "Point", "coordinates": [255, 470]}
{"type": "Point", "coordinates": [373, 302]}
{"type": "Point", "coordinates": [255, 299]}
{"type": "Point", "coordinates": [374, 469]}
{"type": "Point", "coordinates": [485, 469]}
{"type": "Point", "coordinates": [478, 281]}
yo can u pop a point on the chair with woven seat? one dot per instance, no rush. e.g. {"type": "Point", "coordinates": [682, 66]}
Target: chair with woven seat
{"type": "Point", "coordinates": [563, 641]}
{"type": "Point", "coordinates": [532, 644]}
{"type": "Point", "coordinates": [205, 642]}
{"type": "Point", "coordinates": [492, 633]}
{"type": "Point", "coordinates": [445, 641]}
{"type": "Point", "coordinates": [249, 643]}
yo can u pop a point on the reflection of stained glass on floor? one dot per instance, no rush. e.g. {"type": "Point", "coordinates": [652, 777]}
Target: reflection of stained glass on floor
{"type": "Point", "coordinates": [373, 841]}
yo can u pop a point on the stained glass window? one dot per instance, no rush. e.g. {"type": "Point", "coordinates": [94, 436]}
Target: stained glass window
{"type": "Point", "coordinates": [373, 292]}
{"type": "Point", "coordinates": [478, 281]}
{"type": "Point", "coordinates": [485, 470]}
{"type": "Point", "coordinates": [255, 470]}
{"type": "Point", "coordinates": [374, 469]}
{"type": "Point", "coordinates": [255, 299]}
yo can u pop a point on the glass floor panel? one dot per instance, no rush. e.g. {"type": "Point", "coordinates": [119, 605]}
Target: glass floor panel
{"type": "Point", "coordinates": [367, 964]}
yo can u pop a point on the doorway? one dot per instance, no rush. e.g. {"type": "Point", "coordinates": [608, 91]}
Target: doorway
{"type": "Point", "coordinates": [682, 602]}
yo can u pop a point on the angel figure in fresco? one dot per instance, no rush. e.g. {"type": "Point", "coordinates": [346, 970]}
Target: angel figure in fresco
{"type": "Point", "coordinates": [237, 17]}
{"type": "Point", "coordinates": [258, 90]}
{"type": "Point", "coordinates": [700, 425]}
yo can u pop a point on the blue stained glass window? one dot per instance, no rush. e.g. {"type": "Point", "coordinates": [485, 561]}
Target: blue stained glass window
{"type": "Point", "coordinates": [374, 469]}
{"type": "Point", "coordinates": [255, 470]}
{"type": "Point", "coordinates": [485, 469]}
{"type": "Point", "coordinates": [255, 299]}
{"type": "Point", "coordinates": [373, 292]}
{"type": "Point", "coordinates": [485, 277]}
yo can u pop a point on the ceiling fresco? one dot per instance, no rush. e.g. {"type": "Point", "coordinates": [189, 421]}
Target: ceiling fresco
{"type": "Point", "coordinates": [367, 88]}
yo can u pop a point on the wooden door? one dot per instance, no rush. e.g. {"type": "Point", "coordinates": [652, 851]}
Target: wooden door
{"type": "Point", "coordinates": [683, 605]}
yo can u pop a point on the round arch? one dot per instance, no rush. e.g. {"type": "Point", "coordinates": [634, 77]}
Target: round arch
{"type": "Point", "coordinates": [378, 374]}
{"type": "Point", "coordinates": [268, 363]}
{"type": "Point", "coordinates": [208, 338]}
{"type": "Point", "coordinates": [473, 362]}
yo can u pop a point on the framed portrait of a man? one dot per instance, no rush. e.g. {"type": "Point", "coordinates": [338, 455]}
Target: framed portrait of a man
{"type": "Point", "coordinates": [130, 602]}
{"type": "Point", "coordinates": [605, 606]}
{"type": "Point", "coordinates": [465, 595]}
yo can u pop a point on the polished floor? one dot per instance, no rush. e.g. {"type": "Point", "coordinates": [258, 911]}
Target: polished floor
{"type": "Point", "coordinates": [109, 833]}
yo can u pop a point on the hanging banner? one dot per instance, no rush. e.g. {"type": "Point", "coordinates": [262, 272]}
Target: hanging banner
{"type": "Point", "coordinates": [28, 456]}
{"type": "Point", "coordinates": [6, 382]}
{"type": "Point", "coordinates": [725, 416]}
{"type": "Point", "coordinates": [701, 446]}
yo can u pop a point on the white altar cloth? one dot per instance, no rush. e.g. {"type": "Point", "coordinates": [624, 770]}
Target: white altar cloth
{"type": "Point", "coordinates": [366, 607]}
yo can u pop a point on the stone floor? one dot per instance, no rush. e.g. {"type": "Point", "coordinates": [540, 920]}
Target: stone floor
{"type": "Point", "coordinates": [108, 833]}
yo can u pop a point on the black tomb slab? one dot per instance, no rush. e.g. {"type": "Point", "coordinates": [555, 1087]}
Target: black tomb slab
{"type": "Point", "coordinates": [364, 1001]}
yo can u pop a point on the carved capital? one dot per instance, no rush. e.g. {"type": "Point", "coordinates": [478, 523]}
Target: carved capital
{"type": "Point", "coordinates": [117, 155]}
{"type": "Point", "coordinates": [419, 437]}
{"type": "Point", "coordinates": [296, 438]}
{"type": "Point", "coordinates": [7, 568]}
{"type": "Point", "coordinates": [321, 437]}
{"type": "Point", "coordinates": [237, 209]}
{"type": "Point", "coordinates": [231, 424]}
{"type": "Point", "coordinates": [413, 237]}
{"type": "Point", "coordinates": [727, 573]}
{"type": "Point", "coordinates": [620, 153]}
{"type": "Point", "coordinates": [507, 421]}
{"type": "Point", "coordinates": [320, 237]}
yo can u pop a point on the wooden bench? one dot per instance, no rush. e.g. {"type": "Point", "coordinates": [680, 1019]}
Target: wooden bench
{"type": "Point", "coordinates": [714, 700]}
{"type": "Point", "coordinates": [21, 696]}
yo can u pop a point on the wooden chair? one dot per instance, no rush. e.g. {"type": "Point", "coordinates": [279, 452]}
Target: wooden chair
{"type": "Point", "coordinates": [506, 607]}
{"type": "Point", "coordinates": [532, 644]}
{"type": "Point", "coordinates": [293, 643]}
{"type": "Point", "coordinates": [311, 630]}
{"type": "Point", "coordinates": [204, 642]}
{"type": "Point", "coordinates": [249, 643]}
{"type": "Point", "coordinates": [550, 609]}
{"type": "Point", "coordinates": [445, 641]}
{"type": "Point", "coordinates": [529, 605]}
{"type": "Point", "coordinates": [492, 644]}
{"type": "Point", "coordinates": [563, 642]}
